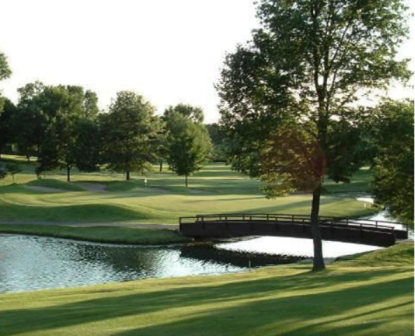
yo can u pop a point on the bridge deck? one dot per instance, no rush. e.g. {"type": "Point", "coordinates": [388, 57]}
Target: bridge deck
{"type": "Point", "coordinates": [378, 233]}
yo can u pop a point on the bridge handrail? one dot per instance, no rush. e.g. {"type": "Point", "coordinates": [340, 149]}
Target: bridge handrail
{"type": "Point", "coordinates": [295, 219]}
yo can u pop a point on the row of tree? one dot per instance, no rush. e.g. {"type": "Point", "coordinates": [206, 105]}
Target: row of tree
{"type": "Point", "coordinates": [63, 127]}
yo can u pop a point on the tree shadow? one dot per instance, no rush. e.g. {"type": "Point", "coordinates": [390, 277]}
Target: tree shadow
{"type": "Point", "coordinates": [232, 308]}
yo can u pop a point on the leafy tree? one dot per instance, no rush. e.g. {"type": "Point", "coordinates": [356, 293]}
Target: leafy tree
{"type": "Point", "coordinates": [5, 71]}
{"type": "Point", "coordinates": [90, 105]}
{"type": "Point", "coordinates": [13, 169]}
{"type": "Point", "coordinates": [7, 126]}
{"type": "Point", "coordinates": [3, 172]}
{"type": "Point", "coordinates": [193, 113]}
{"type": "Point", "coordinates": [217, 137]}
{"type": "Point", "coordinates": [393, 185]}
{"type": "Point", "coordinates": [70, 139]}
{"type": "Point", "coordinates": [189, 145]}
{"type": "Point", "coordinates": [308, 65]}
{"type": "Point", "coordinates": [129, 134]}
{"type": "Point", "coordinates": [32, 118]}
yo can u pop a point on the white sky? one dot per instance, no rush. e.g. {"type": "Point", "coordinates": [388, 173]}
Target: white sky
{"type": "Point", "coordinates": [170, 51]}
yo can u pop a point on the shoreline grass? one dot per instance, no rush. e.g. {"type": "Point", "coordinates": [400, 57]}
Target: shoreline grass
{"type": "Point", "coordinates": [100, 234]}
{"type": "Point", "coordinates": [370, 294]}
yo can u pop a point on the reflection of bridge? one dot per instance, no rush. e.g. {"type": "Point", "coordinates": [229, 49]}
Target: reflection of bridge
{"type": "Point", "coordinates": [378, 233]}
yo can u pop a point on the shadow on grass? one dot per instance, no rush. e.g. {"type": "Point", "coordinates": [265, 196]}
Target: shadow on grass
{"type": "Point", "coordinates": [237, 308]}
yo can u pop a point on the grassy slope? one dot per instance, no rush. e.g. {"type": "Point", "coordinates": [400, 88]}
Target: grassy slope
{"type": "Point", "coordinates": [214, 189]}
{"type": "Point", "coordinates": [369, 295]}
{"type": "Point", "coordinates": [116, 235]}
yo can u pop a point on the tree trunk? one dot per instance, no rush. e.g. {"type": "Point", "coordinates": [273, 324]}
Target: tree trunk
{"type": "Point", "coordinates": [318, 261]}
{"type": "Point", "coordinates": [161, 166]}
{"type": "Point", "coordinates": [127, 174]}
{"type": "Point", "coordinates": [185, 181]}
{"type": "Point", "coordinates": [68, 173]}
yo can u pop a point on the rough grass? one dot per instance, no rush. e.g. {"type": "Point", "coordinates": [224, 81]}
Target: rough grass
{"type": "Point", "coordinates": [215, 189]}
{"type": "Point", "coordinates": [116, 235]}
{"type": "Point", "coordinates": [350, 298]}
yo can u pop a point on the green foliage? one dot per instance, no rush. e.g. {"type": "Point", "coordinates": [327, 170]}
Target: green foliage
{"type": "Point", "coordinates": [5, 71]}
{"type": "Point", "coordinates": [307, 66]}
{"type": "Point", "coordinates": [195, 114]}
{"type": "Point", "coordinates": [292, 160]}
{"type": "Point", "coordinates": [13, 169]}
{"type": "Point", "coordinates": [3, 172]}
{"type": "Point", "coordinates": [8, 128]}
{"type": "Point", "coordinates": [70, 138]}
{"type": "Point", "coordinates": [393, 185]}
{"type": "Point", "coordinates": [310, 61]}
{"type": "Point", "coordinates": [217, 137]}
{"type": "Point", "coordinates": [189, 145]}
{"type": "Point", "coordinates": [129, 134]}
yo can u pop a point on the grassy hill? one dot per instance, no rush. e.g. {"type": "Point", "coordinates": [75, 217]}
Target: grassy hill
{"type": "Point", "coordinates": [105, 197]}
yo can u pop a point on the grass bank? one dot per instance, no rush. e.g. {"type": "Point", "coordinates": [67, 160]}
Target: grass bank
{"type": "Point", "coordinates": [101, 234]}
{"type": "Point", "coordinates": [104, 197]}
{"type": "Point", "coordinates": [371, 294]}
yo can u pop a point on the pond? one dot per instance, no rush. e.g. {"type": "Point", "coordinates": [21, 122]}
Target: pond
{"type": "Point", "coordinates": [33, 263]}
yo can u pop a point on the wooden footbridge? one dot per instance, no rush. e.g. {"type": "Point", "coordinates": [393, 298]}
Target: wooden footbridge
{"type": "Point", "coordinates": [369, 232]}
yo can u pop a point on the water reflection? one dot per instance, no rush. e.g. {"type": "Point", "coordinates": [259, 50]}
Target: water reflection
{"type": "Point", "coordinates": [304, 247]}
{"type": "Point", "coordinates": [32, 263]}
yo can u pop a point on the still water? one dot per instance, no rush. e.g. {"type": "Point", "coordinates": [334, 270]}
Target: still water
{"type": "Point", "coordinates": [32, 263]}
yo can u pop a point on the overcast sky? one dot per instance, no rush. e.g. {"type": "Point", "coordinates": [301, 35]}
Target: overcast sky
{"type": "Point", "coordinates": [170, 51]}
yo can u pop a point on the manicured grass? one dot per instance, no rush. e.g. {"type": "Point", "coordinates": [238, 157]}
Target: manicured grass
{"type": "Point", "coordinates": [102, 234]}
{"type": "Point", "coordinates": [360, 183]}
{"type": "Point", "coordinates": [350, 298]}
{"type": "Point", "coordinates": [55, 184]}
{"type": "Point", "coordinates": [215, 189]}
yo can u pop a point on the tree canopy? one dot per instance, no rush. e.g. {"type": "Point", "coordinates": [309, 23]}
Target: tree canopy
{"type": "Point", "coordinates": [189, 145]}
{"type": "Point", "coordinates": [393, 185]}
{"type": "Point", "coordinates": [129, 134]}
{"type": "Point", "coordinates": [310, 65]}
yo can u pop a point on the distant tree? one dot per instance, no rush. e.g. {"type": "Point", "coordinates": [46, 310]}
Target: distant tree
{"type": "Point", "coordinates": [7, 126]}
{"type": "Point", "coordinates": [189, 145]}
{"type": "Point", "coordinates": [393, 184]}
{"type": "Point", "coordinates": [71, 137]}
{"type": "Point", "coordinates": [90, 105]}
{"type": "Point", "coordinates": [218, 142]}
{"type": "Point", "coordinates": [3, 172]}
{"type": "Point", "coordinates": [5, 73]}
{"type": "Point", "coordinates": [13, 169]}
{"type": "Point", "coordinates": [32, 118]}
{"type": "Point", "coordinates": [193, 113]}
{"type": "Point", "coordinates": [129, 133]}
{"type": "Point", "coordinates": [308, 66]}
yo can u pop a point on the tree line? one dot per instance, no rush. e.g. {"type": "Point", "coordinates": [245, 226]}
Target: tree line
{"type": "Point", "coordinates": [63, 127]}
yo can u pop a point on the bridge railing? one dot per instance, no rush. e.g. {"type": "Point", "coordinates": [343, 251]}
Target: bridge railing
{"type": "Point", "coordinates": [295, 219]}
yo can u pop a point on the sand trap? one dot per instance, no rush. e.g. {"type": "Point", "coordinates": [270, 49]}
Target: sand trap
{"type": "Point", "coordinates": [91, 186]}
{"type": "Point", "coordinates": [45, 189]}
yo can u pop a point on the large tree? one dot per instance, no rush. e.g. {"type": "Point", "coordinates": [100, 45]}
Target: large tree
{"type": "Point", "coordinates": [189, 145]}
{"type": "Point", "coordinates": [71, 136]}
{"type": "Point", "coordinates": [393, 184]}
{"type": "Point", "coordinates": [129, 134]}
{"type": "Point", "coordinates": [309, 66]}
